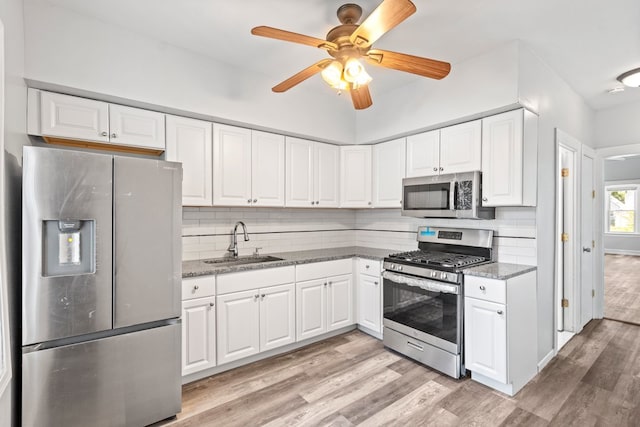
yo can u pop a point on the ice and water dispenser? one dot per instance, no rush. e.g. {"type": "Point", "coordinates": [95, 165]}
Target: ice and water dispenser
{"type": "Point", "coordinates": [68, 247]}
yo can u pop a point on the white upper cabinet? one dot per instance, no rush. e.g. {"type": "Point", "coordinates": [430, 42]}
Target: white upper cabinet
{"type": "Point", "coordinates": [326, 175]}
{"type": "Point", "coordinates": [267, 169]}
{"type": "Point", "coordinates": [74, 118]}
{"type": "Point", "coordinates": [190, 142]}
{"type": "Point", "coordinates": [312, 174]}
{"type": "Point", "coordinates": [423, 154]}
{"type": "Point", "coordinates": [388, 171]}
{"type": "Point", "coordinates": [231, 166]}
{"type": "Point", "coordinates": [509, 159]}
{"type": "Point", "coordinates": [136, 127]}
{"type": "Point", "coordinates": [461, 148]}
{"type": "Point", "coordinates": [355, 176]}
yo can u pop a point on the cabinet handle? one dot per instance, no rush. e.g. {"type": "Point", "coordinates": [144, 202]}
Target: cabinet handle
{"type": "Point", "coordinates": [211, 304]}
{"type": "Point", "coordinates": [500, 312]}
{"type": "Point", "coordinates": [104, 134]}
{"type": "Point", "coordinates": [484, 199]}
{"type": "Point", "coordinates": [482, 288]}
{"type": "Point", "coordinates": [435, 169]}
{"type": "Point", "coordinates": [196, 287]}
{"type": "Point", "coordinates": [255, 200]}
{"type": "Point", "coordinates": [114, 136]}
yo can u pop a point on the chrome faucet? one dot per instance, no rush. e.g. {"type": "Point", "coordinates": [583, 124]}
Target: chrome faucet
{"type": "Point", "coordinates": [233, 248]}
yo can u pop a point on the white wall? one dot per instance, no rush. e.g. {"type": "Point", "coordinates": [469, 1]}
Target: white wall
{"type": "Point", "coordinates": [614, 170]}
{"type": "Point", "coordinates": [618, 125]}
{"type": "Point", "coordinates": [484, 83]}
{"type": "Point", "coordinates": [558, 106]}
{"type": "Point", "coordinates": [11, 15]}
{"type": "Point", "coordinates": [69, 49]}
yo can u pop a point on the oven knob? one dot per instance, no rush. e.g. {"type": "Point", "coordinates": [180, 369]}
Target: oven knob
{"type": "Point", "coordinates": [399, 268]}
{"type": "Point", "coordinates": [434, 274]}
{"type": "Point", "coordinates": [443, 276]}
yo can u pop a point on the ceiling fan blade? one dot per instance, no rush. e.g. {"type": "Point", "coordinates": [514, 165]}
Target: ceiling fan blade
{"type": "Point", "coordinates": [301, 76]}
{"type": "Point", "coordinates": [288, 36]}
{"type": "Point", "coordinates": [361, 97]}
{"type": "Point", "coordinates": [385, 17]}
{"type": "Point", "coordinates": [408, 63]}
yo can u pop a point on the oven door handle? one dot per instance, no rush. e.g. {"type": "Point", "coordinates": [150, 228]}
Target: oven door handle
{"type": "Point", "coordinates": [427, 285]}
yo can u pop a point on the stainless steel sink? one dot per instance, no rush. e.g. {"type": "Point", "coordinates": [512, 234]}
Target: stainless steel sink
{"type": "Point", "coordinates": [241, 260]}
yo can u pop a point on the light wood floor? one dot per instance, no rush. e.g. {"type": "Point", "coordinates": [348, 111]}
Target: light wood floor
{"type": "Point", "coordinates": [352, 380]}
{"type": "Point", "coordinates": [622, 288]}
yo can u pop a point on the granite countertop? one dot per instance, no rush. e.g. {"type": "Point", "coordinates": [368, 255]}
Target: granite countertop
{"type": "Point", "coordinates": [200, 268]}
{"type": "Point", "coordinates": [499, 270]}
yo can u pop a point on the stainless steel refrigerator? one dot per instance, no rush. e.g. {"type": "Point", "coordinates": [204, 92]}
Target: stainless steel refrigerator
{"type": "Point", "coordinates": [100, 289]}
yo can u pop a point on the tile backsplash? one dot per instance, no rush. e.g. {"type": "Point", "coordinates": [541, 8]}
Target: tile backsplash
{"type": "Point", "coordinates": [207, 231]}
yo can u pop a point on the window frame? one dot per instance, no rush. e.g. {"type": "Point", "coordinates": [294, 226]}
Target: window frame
{"type": "Point", "coordinates": [622, 185]}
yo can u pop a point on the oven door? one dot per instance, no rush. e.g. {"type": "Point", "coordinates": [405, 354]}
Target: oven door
{"type": "Point", "coordinates": [427, 310]}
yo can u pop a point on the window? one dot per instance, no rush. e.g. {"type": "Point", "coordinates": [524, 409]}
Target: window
{"type": "Point", "coordinates": [622, 208]}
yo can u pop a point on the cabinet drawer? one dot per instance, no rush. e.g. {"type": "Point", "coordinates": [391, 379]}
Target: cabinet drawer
{"type": "Point", "coordinates": [368, 266]}
{"type": "Point", "coordinates": [485, 289]}
{"type": "Point", "coordinates": [319, 270]}
{"type": "Point", "coordinates": [255, 279]}
{"type": "Point", "coordinates": [198, 287]}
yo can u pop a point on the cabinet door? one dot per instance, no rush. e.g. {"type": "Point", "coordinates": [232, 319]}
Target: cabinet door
{"type": "Point", "coordinates": [388, 171]}
{"type": "Point", "coordinates": [72, 117]}
{"type": "Point", "coordinates": [369, 302]}
{"type": "Point", "coordinates": [311, 308]}
{"type": "Point", "coordinates": [189, 142]}
{"type": "Point", "coordinates": [198, 335]}
{"type": "Point", "coordinates": [277, 316]}
{"type": "Point", "coordinates": [460, 148]}
{"type": "Point", "coordinates": [238, 325]}
{"type": "Point", "coordinates": [423, 154]}
{"type": "Point", "coordinates": [339, 302]}
{"type": "Point", "coordinates": [327, 175]}
{"type": "Point", "coordinates": [136, 127]}
{"type": "Point", "coordinates": [355, 177]}
{"type": "Point", "coordinates": [267, 169]}
{"type": "Point", "coordinates": [231, 166]}
{"type": "Point", "coordinates": [502, 162]}
{"type": "Point", "coordinates": [299, 175]}
{"type": "Point", "coordinates": [485, 334]}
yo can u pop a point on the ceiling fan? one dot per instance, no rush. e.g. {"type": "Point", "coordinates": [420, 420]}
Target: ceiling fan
{"type": "Point", "coordinates": [349, 42]}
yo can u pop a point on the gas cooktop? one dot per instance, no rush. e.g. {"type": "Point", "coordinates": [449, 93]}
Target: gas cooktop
{"type": "Point", "coordinates": [438, 259]}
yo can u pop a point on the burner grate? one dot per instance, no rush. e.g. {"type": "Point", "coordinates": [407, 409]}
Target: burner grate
{"type": "Point", "coordinates": [442, 259]}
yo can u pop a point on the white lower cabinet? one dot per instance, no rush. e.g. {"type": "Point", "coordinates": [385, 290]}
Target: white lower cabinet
{"type": "Point", "coordinates": [277, 316]}
{"type": "Point", "coordinates": [238, 325]}
{"type": "Point", "coordinates": [339, 302]}
{"type": "Point", "coordinates": [369, 295]}
{"type": "Point", "coordinates": [500, 330]}
{"type": "Point", "coordinates": [311, 304]}
{"type": "Point", "coordinates": [198, 334]}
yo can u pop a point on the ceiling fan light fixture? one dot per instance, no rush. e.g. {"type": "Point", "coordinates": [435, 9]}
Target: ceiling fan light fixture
{"type": "Point", "coordinates": [630, 78]}
{"type": "Point", "coordinates": [353, 70]}
{"type": "Point", "coordinates": [332, 74]}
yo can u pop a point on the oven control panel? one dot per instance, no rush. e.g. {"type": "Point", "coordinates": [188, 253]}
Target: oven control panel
{"type": "Point", "coordinates": [422, 272]}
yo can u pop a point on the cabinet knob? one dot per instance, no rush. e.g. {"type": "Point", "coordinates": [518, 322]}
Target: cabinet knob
{"type": "Point", "coordinates": [249, 201]}
{"type": "Point", "coordinates": [317, 202]}
{"type": "Point", "coordinates": [104, 134]}
{"type": "Point", "coordinates": [255, 200]}
{"type": "Point", "coordinates": [313, 203]}
{"type": "Point", "coordinates": [113, 135]}
{"type": "Point", "coordinates": [325, 283]}
{"type": "Point", "coordinates": [366, 266]}
{"type": "Point", "coordinates": [211, 304]}
{"type": "Point", "coordinates": [196, 287]}
{"type": "Point", "coordinates": [375, 283]}
{"type": "Point", "coordinates": [369, 203]}
{"type": "Point", "coordinates": [435, 169]}
{"type": "Point", "coordinates": [500, 312]}
{"type": "Point", "coordinates": [330, 283]}
{"type": "Point", "coordinates": [441, 168]}
{"type": "Point", "coordinates": [263, 295]}
{"type": "Point", "coordinates": [484, 199]}
{"type": "Point", "coordinates": [482, 288]}
{"type": "Point", "coordinates": [256, 296]}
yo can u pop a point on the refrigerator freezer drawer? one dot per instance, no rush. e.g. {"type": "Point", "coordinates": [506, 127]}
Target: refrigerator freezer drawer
{"type": "Point", "coordinates": [125, 380]}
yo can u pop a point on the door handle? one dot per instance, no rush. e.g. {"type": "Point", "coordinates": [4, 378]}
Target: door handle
{"type": "Point", "coordinates": [586, 249]}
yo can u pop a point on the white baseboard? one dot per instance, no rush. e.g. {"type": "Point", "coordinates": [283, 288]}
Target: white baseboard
{"type": "Point", "coordinates": [621, 252]}
{"type": "Point", "coordinates": [546, 359]}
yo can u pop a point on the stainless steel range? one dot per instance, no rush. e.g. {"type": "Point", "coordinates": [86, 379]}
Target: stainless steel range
{"type": "Point", "coordinates": [423, 295]}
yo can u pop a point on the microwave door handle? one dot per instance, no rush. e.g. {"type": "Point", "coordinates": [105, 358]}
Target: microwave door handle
{"type": "Point", "coordinates": [452, 194]}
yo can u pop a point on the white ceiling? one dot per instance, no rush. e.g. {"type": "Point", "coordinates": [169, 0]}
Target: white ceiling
{"type": "Point", "coordinates": [587, 42]}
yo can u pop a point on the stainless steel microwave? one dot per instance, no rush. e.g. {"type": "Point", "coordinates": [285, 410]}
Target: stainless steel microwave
{"type": "Point", "coordinates": [445, 196]}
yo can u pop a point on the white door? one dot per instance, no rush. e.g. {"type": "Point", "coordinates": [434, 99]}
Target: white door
{"type": "Point", "coordinates": [136, 127]}
{"type": "Point", "coordinates": [423, 154]}
{"type": "Point", "coordinates": [231, 166]}
{"type": "Point", "coordinates": [502, 159]}
{"type": "Point", "coordinates": [369, 302]}
{"type": "Point", "coordinates": [355, 177]}
{"type": "Point", "coordinates": [74, 118]}
{"type": "Point", "coordinates": [327, 176]}
{"type": "Point", "coordinates": [267, 169]}
{"type": "Point", "coordinates": [277, 316]}
{"type": "Point", "coordinates": [299, 175]}
{"type": "Point", "coordinates": [485, 335]}
{"type": "Point", "coordinates": [388, 171]}
{"type": "Point", "coordinates": [189, 142]}
{"type": "Point", "coordinates": [461, 148]}
{"type": "Point", "coordinates": [339, 302]}
{"type": "Point", "coordinates": [238, 325]}
{"type": "Point", "coordinates": [198, 335]}
{"type": "Point", "coordinates": [311, 308]}
{"type": "Point", "coordinates": [587, 261]}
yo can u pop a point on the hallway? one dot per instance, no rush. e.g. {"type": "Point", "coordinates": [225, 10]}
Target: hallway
{"type": "Point", "coordinates": [622, 288]}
